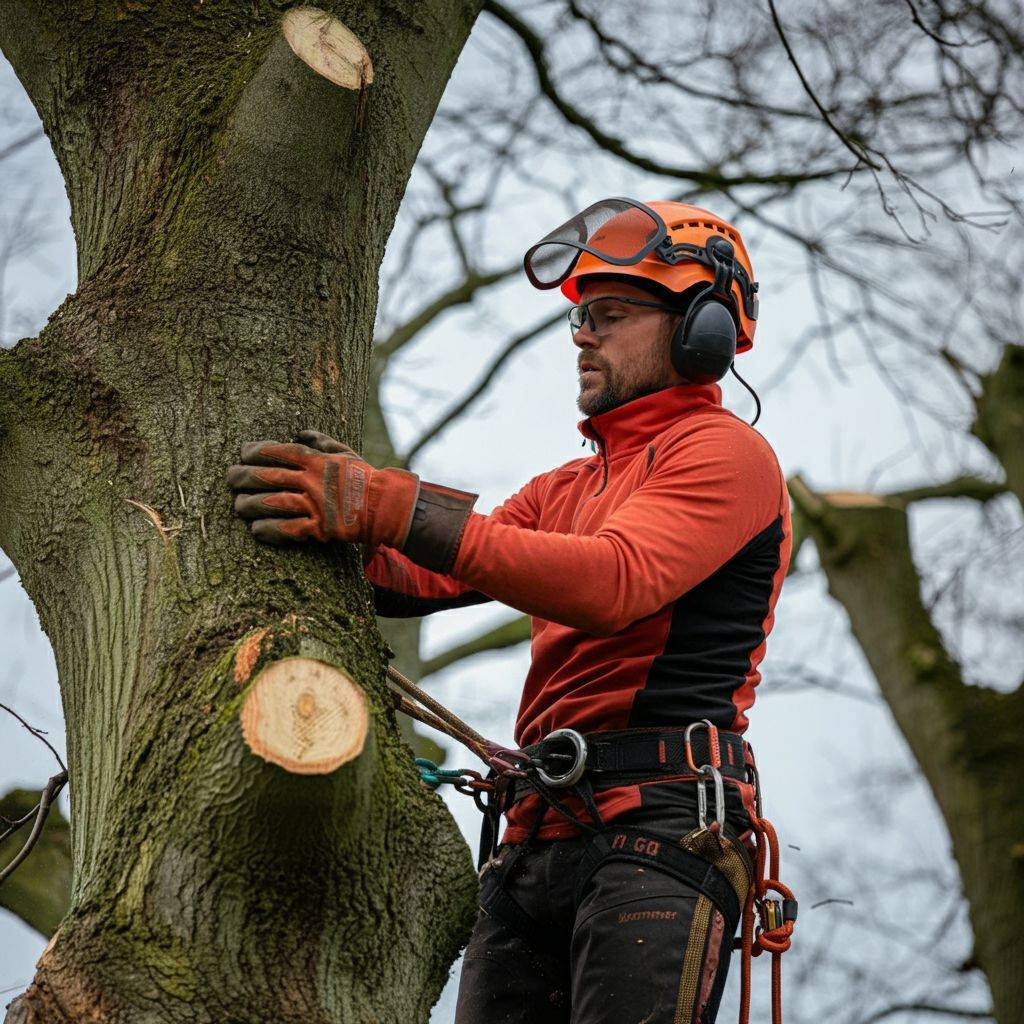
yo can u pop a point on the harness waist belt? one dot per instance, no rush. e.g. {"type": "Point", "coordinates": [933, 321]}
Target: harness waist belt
{"type": "Point", "coordinates": [653, 752]}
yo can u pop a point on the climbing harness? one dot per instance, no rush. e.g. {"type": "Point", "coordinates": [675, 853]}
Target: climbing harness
{"type": "Point", "coordinates": [567, 760]}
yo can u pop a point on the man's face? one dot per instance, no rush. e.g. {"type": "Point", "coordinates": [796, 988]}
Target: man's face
{"type": "Point", "coordinates": [628, 355]}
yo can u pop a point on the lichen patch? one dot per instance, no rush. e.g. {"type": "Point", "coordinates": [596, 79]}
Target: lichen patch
{"type": "Point", "coordinates": [328, 46]}
{"type": "Point", "coordinates": [305, 715]}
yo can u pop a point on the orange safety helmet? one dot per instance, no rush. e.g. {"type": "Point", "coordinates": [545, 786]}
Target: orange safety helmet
{"type": "Point", "coordinates": [665, 243]}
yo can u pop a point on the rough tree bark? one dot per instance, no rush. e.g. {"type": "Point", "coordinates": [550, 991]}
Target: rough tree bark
{"type": "Point", "coordinates": [966, 738]}
{"type": "Point", "coordinates": [231, 202]}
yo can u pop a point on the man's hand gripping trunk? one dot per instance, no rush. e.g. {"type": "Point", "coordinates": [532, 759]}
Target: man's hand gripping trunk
{"type": "Point", "coordinates": [320, 489]}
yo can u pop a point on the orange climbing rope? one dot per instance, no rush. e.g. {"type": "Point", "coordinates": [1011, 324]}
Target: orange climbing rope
{"type": "Point", "coordinates": [767, 922]}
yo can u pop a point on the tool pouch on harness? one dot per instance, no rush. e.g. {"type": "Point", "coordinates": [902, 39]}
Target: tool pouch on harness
{"type": "Point", "coordinates": [653, 850]}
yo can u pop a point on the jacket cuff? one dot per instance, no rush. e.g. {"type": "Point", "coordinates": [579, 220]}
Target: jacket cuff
{"type": "Point", "coordinates": [437, 526]}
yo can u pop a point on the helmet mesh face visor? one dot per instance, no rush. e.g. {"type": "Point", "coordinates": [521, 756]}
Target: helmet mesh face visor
{"type": "Point", "coordinates": [618, 231]}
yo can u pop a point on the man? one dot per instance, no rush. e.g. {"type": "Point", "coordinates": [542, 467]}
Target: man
{"type": "Point", "coordinates": [651, 570]}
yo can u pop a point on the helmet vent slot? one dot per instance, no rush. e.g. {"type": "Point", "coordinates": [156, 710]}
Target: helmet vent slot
{"type": "Point", "coordinates": [703, 224]}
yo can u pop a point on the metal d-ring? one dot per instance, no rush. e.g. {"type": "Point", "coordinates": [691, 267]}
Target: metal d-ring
{"type": "Point", "coordinates": [574, 773]}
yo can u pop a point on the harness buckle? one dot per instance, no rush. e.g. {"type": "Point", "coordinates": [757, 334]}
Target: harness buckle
{"type": "Point", "coordinates": [576, 756]}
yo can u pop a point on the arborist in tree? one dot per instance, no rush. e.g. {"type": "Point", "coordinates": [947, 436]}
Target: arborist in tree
{"type": "Point", "coordinates": [651, 568]}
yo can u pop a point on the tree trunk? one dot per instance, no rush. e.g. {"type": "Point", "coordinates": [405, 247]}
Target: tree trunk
{"type": "Point", "coordinates": [239, 853]}
{"type": "Point", "coordinates": [965, 738]}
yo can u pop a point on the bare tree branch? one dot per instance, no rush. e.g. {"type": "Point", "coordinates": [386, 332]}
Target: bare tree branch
{"type": "Point", "coordinates": [39, 892]}
{"type": "Point", "coordinates": [961, 487]}
{"type": "Point", "coordinates": [481, 385]}
{"type": "Point", "coordinates": [859, 150]}
{"type": "Point", "coordinates": [462, 293]}
{"type": "Point", "coordinates": [20, 143]}
{"type": "Point", "coordinates": [915, 17]}
{"type": "Point", "coordinates": [38, 733]}
{"type": "Point", "coordinates": [509, 634]}
{"type": "Point", "coordinates": [708, 178]}
{"type": "Point", "coordinates": [49, 794]}
{"type": "Point", "coordinates": [946, 1011]}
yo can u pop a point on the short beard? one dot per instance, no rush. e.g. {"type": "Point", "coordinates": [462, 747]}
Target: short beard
{"type": "Point", "coordinates": [608, 398]}
{"type": "Point", "coordinates": [615, 393]}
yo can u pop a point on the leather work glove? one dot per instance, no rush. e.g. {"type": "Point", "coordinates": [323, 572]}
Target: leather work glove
{"type": "Point", "coordinates": [323, 490]}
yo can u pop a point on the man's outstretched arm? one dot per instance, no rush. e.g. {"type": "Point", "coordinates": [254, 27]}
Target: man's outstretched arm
{"type": "Point", "coordinates": [710, 493]}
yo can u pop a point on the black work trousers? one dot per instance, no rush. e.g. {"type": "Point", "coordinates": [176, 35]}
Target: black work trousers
{"type": "Point", "coordinates": [641, 947]}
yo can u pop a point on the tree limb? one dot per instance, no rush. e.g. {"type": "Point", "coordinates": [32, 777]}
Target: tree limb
{"type": "Point", "coordinates": [39, 893]}
{"type": "Point", "coordinates": [481, 385]}
{"type": "Point", "coordinates": [965, 738]}
{"type": "Point", "coordinates": [999, 421]}
{"type": "Point", "coordinates": [962, 487]}
{"type": "Point", "coordinates": [509, 634]}
{"type": "Point", "coordinates": [707, 179]}
{"type": "Point", "coordinates": [462, 293]}
{"type": "Point", "coordinates": [20, 143]}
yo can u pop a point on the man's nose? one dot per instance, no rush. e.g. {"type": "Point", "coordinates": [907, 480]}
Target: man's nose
{"type": "Point", "coordinates": [585, 337]}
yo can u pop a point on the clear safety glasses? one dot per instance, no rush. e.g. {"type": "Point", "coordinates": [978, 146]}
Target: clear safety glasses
{"type": "Point", "coordinates": [604, 314]}
{"type": "Point", "coordinates": [637, 231]}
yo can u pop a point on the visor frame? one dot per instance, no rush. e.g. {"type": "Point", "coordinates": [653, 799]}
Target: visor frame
{"type": "Point", "coordinates": [660, 237]}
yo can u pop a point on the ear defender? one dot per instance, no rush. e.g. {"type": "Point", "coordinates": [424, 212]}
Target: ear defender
{"type": "Point", "coordinates": [704, 344]}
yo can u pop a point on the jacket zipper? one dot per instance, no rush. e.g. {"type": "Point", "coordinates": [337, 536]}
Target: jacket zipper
{"type": "Point", "coordinates": [604, 477]}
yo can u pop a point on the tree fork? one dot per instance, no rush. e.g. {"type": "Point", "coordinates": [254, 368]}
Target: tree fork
{"type": "Point", "coordinates": [231, 202]}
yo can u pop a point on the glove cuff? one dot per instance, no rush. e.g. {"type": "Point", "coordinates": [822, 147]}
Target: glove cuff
{"type": "Point", "coordinates": [438, 522]}
{"type": "Point", "coordinates": [390, 508]}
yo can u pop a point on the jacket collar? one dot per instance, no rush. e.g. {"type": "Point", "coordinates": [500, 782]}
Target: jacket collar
{"type": "Point", "coordinates": [636, 423]}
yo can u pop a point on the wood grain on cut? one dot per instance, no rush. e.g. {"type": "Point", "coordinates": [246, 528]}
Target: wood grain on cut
{"type": "Point", "coordinates": [330, 48]}
{"type": "Point", "coordinates": [305, 715]}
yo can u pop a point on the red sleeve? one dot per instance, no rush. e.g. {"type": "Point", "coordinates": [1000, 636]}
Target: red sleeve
{"type": "Point", "coordinates": [711, 491]}
{"type": "Point", "coordinates": [393, 575]}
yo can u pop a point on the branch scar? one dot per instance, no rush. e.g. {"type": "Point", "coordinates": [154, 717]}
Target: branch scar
{"type": "Point", "coordinates": [306, 716]}
{"type": "Point", "coordinates": [328, 46]}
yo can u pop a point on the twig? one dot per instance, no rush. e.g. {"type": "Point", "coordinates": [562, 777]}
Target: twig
{"type": "Point", "coordinates": [166, 532]}
{"type": "Point", "coordinates": [38, 733]}
{"type": "Point", "coordinates": [481, 385]}
{"type": "Point", "coordinates": [948, 1011]}
{"type": "Point", "coordinates": [53, 787]}
{"type": "Point", "coordinates": [916, 18]}
{"type": "Point", "coordinates": [708, 180]}
{"type": "Point", "coordinates": [461, 294]}
{"type": "Point", "coordinates": [858, 150]}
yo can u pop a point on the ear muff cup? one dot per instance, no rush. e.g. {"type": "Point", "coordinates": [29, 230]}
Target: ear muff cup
{"type": "Point", "coordinates": [704, 344]}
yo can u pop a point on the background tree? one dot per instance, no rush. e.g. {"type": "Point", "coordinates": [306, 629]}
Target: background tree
{"type": "Point", "coordinates": [856, 147]}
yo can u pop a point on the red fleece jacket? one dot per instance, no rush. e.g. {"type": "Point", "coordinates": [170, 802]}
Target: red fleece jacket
{"type": "Point", "coordinates": [651, 571]}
